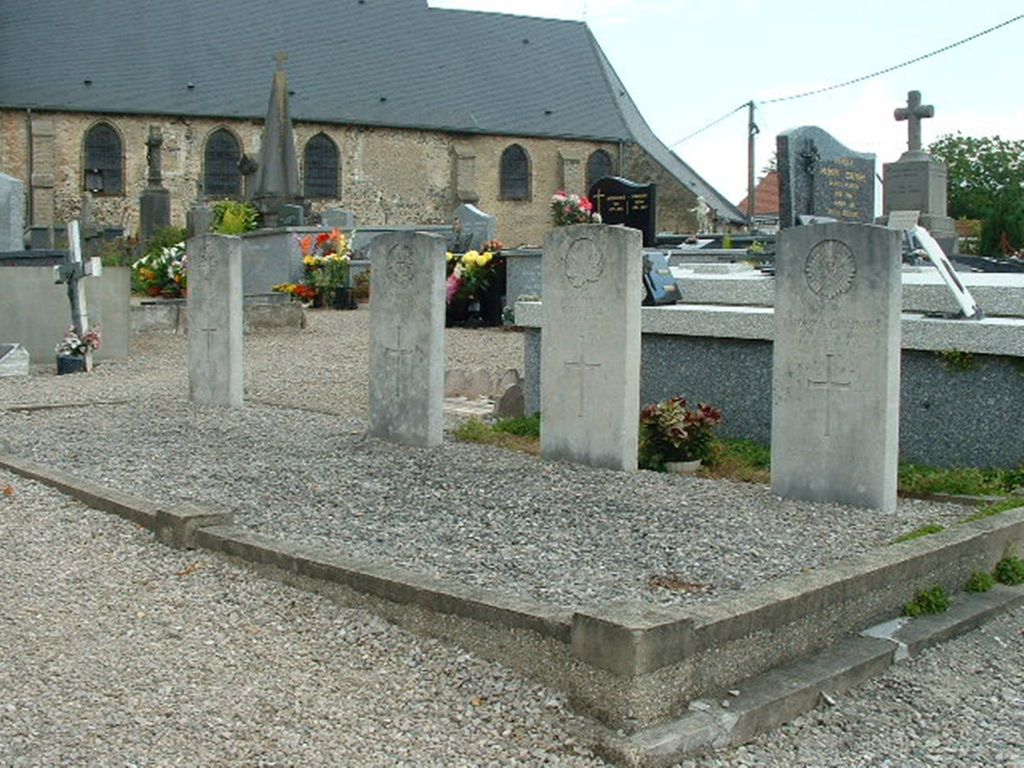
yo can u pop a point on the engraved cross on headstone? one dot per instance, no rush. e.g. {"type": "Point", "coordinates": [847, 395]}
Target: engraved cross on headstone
{"type": "Point", "coordinates": [396, 355]}
{"type": "Point", "coordinates": [913, 113]}
{"type": "Point", "coordinates": [580, 367]}
{"type": "Point", "coordinates": [830, 386]}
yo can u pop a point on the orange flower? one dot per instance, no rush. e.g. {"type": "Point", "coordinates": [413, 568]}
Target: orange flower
{"type": "Point", "coordinates": [305, 243]}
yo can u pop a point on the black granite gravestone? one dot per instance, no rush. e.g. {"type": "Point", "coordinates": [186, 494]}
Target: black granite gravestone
{"type": "Point", "coordinates": [818, 176]}
{"type": "Point", "coordinates": [620, 201]}
{"type": "Point", "coordinates": [659, 286]}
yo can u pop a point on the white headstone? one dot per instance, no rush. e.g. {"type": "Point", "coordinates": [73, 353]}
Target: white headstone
{"type": "Point", "coordinates": [215, 369]}
{"type": "Point", "coordinates": [407, 304]}
{"type": "Point", "coordinates": [590, 345]}
{"type": "Point", "coordinates": [14, 360]}
{"type": "Point", "coordinates": [836, 368]}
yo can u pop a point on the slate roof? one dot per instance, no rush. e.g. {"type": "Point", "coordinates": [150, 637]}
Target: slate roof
{"type": "Point", "coordinates": [368, 62]}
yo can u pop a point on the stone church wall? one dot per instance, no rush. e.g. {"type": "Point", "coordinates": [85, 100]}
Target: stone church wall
{"type": "Point", "coordinates": [387, 175]}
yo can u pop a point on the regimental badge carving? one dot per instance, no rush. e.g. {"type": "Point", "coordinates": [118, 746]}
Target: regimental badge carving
{"type": "Point", "coordinates": [399, 264]}
{"type": "Point", "coordinates": [830, 269]}
{"type": "Point", "coordinates": [584, 262]}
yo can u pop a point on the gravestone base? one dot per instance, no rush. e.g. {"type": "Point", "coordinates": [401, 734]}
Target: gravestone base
{"type": "Point", "coordinates": [917, 182]}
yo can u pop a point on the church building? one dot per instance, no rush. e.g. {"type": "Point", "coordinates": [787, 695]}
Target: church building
{"type": "Point", "coordinates": [401, 112]}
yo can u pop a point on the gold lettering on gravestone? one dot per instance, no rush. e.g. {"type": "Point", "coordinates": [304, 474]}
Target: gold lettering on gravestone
{"type": "Point", "coordinates": [830, 269]}
{"type": "Point", "coordinates": [829, 385]}
{"type": "Point", "coordinates": [583, 262]}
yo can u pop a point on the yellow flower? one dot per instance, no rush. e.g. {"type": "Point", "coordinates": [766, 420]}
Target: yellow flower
{"type": "Point", "coordinates": [485, 257]}
{"type": "Point", "coordinates": [449, 256]}
{"type": "Point", "coordinates": [471, 258]}
{"type": "Point", "coordinates": [309, 261]}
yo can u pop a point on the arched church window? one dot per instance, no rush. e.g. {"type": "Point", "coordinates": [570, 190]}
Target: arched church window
{"type": "Point", "coordinates": [515, 173]}
{"type": "Point", "coordinates": [221, 175]}
{"type": "Point", "coordinates": [103, 160]}
{"type": "Point", "coordinates": [320, 161]}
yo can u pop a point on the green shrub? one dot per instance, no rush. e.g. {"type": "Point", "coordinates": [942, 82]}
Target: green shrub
{"type": "Point", "coordinates": [233, 217]}
{"type": "Point", "coordinates": [980, 581]}
{"type": "Point", "coordinates": [527, 426]}
{"type": "Point", "coordinates": [1010, 570]}
{"type": "Point", "coordinates": [927, 601]}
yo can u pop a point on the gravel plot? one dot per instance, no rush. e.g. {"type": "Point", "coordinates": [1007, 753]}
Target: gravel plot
{"type": "Point", "coordinates": [557, 532]}
{"type": "Point", "coordinates": [117, 651]}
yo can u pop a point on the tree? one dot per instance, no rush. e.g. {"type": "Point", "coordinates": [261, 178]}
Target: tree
{"type": "Point", "coordinates": [986, 181]}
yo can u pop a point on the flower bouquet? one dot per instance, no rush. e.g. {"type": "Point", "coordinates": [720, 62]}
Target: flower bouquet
{"type": "Point", "coordinates": [325, 264]}
{"type": "Point", "coordinates": [572, 209]}
{"type": "Point", "coordinates": [74, 352]}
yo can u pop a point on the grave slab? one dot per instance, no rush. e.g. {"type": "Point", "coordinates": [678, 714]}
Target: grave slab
{"type": "Point", "coordinates": [407, 304]}
{"type": "Point", "coordinates": [836, 374]}
{"type": "Point", "coordinates": [590, 354]}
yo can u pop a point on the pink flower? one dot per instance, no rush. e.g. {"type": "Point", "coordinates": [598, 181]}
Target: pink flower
{"type": "Point", "coordinates": [452, 286]}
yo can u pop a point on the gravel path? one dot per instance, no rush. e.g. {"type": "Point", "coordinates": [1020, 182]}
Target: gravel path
{"type": "Point", "coordinates": [117, 651]}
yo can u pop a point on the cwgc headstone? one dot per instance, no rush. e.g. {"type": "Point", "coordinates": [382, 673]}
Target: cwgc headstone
{"type": "Point", "coordinates": [14, 360]}
{"type": "Point", "coordinates": [590, 345]}
{"type": "Point", "coordinates": [836, 367]}
{"type": "Point", "coordinates": [818, 176]}
{"type": "Point", "coordinates": [407, 307]}
{"type": "Point", "coordinates": [199, 220]}
{"type": "Point", "coordinates": [12, 214]}
{"type": "Point", "coordinates": [215, 370]}
{"type": "Point", "coordinates": [620, 201]}
{"type": "Point", "coordinates": [472, 227]}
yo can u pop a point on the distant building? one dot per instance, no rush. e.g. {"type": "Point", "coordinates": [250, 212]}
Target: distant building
{"type": "Point", "coordinates": [401, 111]}
{"type": "Point", "coordinates": [766, 204]}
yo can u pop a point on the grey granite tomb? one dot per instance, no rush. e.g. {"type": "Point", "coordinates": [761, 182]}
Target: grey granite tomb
{"type": "Point", "coordinates": [590, 348]}
{"type": "Point", "coordinates": [407, 307]}
{"type": "Point", "coordinates": [215, 370]}
{"type": "Point", "coordinates": [12, 214]}
{"type": "Point", "coordinates": [155, 201]}
{"type": "Point", "coordinates": [819, 177]}
{"type": "Point", "coordinates": [836, 365]}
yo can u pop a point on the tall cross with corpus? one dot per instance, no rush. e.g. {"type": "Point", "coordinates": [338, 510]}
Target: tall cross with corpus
{"type": "Point", "coordinates": [913, 113]}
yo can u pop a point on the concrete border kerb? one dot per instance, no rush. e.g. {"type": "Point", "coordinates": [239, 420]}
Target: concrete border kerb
{"type": "Point", "coordinates": [638, 667]}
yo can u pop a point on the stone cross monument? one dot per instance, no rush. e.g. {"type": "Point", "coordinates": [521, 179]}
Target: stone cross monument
{"type": "Point", "coordinates": [914, 113]}
{"type": "Point", "coordinates": [917, 181]}
{"type": "Point", "coordinates": [155, 201]}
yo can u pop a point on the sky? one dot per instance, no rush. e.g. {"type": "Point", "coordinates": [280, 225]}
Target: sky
{"type": "Point", "coordinates": [687, 63]}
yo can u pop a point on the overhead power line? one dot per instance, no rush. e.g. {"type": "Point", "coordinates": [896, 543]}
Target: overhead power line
{"type": "Point", "coordinates": [895, 67]}
{"type": "Point", "coordinates": [853, 81]}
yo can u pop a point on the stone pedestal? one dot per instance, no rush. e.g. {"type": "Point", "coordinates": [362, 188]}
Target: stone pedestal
{"type": "Point", "coordinates": [154, 211]}
{"type": "Point", "coordinates": [917, 182]}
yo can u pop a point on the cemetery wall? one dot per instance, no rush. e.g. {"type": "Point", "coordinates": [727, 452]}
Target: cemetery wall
{"type": "Point", "coordinates": [954, 410]}
{"type": "Point", "coordinates": [388, 176]}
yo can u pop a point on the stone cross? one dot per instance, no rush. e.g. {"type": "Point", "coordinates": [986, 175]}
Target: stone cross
{"type": "Point", "coordinates": [913, 113]}
{"type": "Point", "coordinates": [153, 143]}
{"type": "Point", "coordinates": [71, 272]}
{"type": "Point", "coordinates": [280, 57]}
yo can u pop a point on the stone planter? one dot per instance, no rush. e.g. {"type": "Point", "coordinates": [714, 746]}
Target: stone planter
{"type": "Point", "coordinates": [682, 467]}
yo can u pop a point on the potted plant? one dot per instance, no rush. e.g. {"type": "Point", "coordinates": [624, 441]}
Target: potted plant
{"type": "Point", "coordinates": [74, 352]}
{"type": "Point", "coordinates": [325, 263]}
{"type": "Point", "coordinates": [471, 275]}
{"type": "Point", "coordinates": [673, 434]}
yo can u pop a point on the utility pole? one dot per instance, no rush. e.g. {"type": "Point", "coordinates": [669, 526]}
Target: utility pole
{"type": "Point", "coordinates": [752, 131]}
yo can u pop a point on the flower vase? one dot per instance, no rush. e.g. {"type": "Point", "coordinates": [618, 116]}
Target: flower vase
{"type": "Point", "coordinates": [341, 298]}
{"type": "Point", "coordinates": [682, 467]}
{"type": "Point", "coordinates": [70, 364]}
